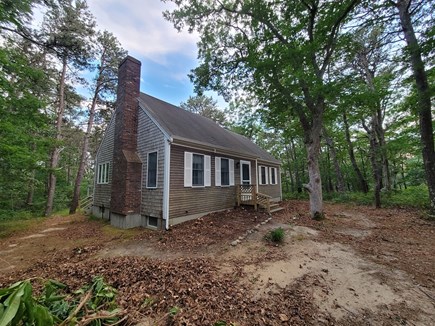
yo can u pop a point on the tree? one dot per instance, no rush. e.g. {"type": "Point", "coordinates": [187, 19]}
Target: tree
{"type": "Point", "coordinates": [110, 54]}
{"type": "Point", "coordinates": [424, 105]}
{"type": "Point", "coordinates": [13, 14]}
{"type": "Point", "coordinates": [68, 27]}
{"type": "Point", "coordinates": [370, 64]}
{"type": "Point", "coordinates": [278, 52]}
{"type": "Point", "coordinates": [205, 106]}
{"type": "Point", "coordinates": [24, 128]}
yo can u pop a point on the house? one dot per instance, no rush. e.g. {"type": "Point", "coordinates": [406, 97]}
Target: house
{"type": "Point", "coordinates": [159, 165]}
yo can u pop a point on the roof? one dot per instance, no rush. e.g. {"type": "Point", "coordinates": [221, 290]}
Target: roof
{"type": "Point", "coordinates": [183, 125]}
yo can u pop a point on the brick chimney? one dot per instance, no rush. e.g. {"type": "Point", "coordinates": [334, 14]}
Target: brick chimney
{"type": "Point", "coordinates": [127, 166]}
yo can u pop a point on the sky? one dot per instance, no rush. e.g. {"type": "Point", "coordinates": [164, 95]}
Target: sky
{"type": "Point", "coordinates": [167, 55]}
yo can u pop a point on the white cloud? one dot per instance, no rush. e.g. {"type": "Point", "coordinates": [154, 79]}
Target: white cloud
{"type": "Point", "coordinates": [140, 27]}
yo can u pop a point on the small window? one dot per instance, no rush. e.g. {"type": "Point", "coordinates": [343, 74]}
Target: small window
{"type": "Point", "coordinates": [263, 175]}
{"type": "Point", "coordinates": [273, 176]}
{"type": "Point", "coordinates": [103, 173]}
{"type": "Point", "coordinates": [197, 170]}
{"type": "Point", "coordinates": [152, 170]}
{"type": "Point", "coordinates": [152, 221]}
{"type": "Point", "coordinates": [225, 172]}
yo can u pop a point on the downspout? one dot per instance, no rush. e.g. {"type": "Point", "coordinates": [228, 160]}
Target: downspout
{"type": "Point", "coordinates": [166, 183]}
{"type": "Point", "coordinates": [256, 174]}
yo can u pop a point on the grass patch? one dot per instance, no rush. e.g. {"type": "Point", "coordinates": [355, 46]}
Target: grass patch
{"type": "Point", "coordinates": [414, 197]}
{"type": "Point", "coordinates": [9, 227]}
{"type": "Point", "coordinates": [276, 235]}
{"type": "Point", "coordinates": [111, 231]}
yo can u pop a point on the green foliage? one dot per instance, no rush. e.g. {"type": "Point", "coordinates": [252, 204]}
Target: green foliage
{"type": "Point", "coordinates": [93, 304]}
{"type": "Point", "coordinates": [413, 196]}
{"type": "Point", "coordinates": [276, 235]}
{"type": "Point", "coordinates": [206, 107]}
{"type": "Point", "coordinates": [18, 306]}
{"type": "Point", "coordinates": [24, 128]}
{"type": "Point", "coordinates": [15, 12]}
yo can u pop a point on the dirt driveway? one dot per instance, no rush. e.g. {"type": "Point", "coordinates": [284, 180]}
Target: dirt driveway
{"type": "Point", "coordinates": [360, 266]}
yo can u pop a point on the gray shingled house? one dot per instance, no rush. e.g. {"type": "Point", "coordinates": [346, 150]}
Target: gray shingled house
{"type": "Point", "coordinates": [159, 165]}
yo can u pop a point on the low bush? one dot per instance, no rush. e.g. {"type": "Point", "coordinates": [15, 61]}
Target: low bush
{"type": "Point", "coordinates": [414, 196]}
{"type": "Point", "coordinates": [276, 235]}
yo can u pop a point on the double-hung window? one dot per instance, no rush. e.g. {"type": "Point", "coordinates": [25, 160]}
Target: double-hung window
{"type": "Point", "coordinates": [152, 170]}
{"type": "Point", "coordinates": [263, 175]}
{"type": "Point", "coordinates": [196, 170]}
{"type": "Point", "coordinates": [103, 173]}
{"type": "Point", "coordinates": [224, 171]}
{"type": "Point", "coordinates": [273, 176]}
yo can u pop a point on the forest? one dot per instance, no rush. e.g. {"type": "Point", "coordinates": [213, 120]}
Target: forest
{"type": "Point", "coordinates": [340, 92]}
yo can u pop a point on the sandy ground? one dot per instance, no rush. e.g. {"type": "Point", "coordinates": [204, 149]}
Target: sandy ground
{"type": "Point", "coordinates": [358, 267]}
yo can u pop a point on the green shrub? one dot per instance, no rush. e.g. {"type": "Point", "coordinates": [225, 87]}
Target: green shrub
{"type": "Point", "coordinates": [413, 196]}
{"type": "Point", "coordinates": [276, 235]}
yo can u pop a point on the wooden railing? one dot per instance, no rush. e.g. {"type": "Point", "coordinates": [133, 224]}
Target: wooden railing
{"type": "Point", "coordinates": [264, 201]}
{"type": "Point", "coordinates": [86, 203]}
{"type": "Point", "coordinates": [248, 195]}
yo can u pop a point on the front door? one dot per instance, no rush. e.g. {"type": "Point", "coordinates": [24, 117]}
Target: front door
{"type": "Point", "coordinates": [245, 172]}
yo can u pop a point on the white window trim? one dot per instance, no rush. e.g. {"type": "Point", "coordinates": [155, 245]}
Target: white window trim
{"type": "Point", "coordinates": [188, 170]}
{"type": "Point", "coordinates": [218, 172]}
{"type": "Point", "coordinates": [241, 173]}
{"type": "Point", "coordinates": [260, 174]}
{"type": "Point", "coordinates": [157, 169]}
{"type": "Point", "coordinates": [276, 175]}
{"type": "Point", "coordinates": [102, 181]}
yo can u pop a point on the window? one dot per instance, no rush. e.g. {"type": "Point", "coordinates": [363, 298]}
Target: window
{"type": "Point", "coordinates": [245, 172]}
{"type": "Point", "coordinates": [152, 221]}
{"type": "Point", "coordinates": [196, 170]}
{"type": "Point", "coordinates": [273, 176]}
{"type": "Point", "coordinates": [224, 171]}
{"type": "Point", "coordinates": [152, 170]}
{"type": "Point", "coordinates": [103, 173]}
{"type": "Point", "coordinates": [263, 175]}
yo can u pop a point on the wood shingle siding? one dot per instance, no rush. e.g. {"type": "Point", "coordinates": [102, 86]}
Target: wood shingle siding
{"type": "Point", "coordinates": [272, 190]}
{"type": "Point", "coordinates": [151, 139]}
{"type": "Point", "coordinates": [105, 154]}
{"type": "Point", "coordinates": [184, 201]}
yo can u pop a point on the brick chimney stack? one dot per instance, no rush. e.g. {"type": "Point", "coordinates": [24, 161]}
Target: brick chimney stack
{"type": "Point", "coordinates": [127, 166]}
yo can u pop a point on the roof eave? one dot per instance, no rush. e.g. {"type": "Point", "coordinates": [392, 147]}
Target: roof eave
{"type": "Point", "coordinates": [217, 149]}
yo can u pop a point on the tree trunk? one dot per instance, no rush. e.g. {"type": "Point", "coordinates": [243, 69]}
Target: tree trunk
{"type": "Point", "coordinates": [292, 182]}
{"type": "Point", "coordinates": [31, 189]}
{"type": "Point", "coordinates": [312, 143]}
{"type": "Point", "coordinates": [362, 182]}
{"type": "Point", "coordinates": [380, 133]}
{"type": "Point", "coordinates": [81, 170]}
{"type": "Point", "coordinates": [339, 175]}
{"type": "Point", "coordinates": [375, 160]}
{"type": "Point", "coordinates": [424, 99]}
{"type": "Point", "coordinates": [297, 175]}
{"type": "Point", "coordinates": [54, 160]}
{"type": "Point", "coordinates": [314, 186]}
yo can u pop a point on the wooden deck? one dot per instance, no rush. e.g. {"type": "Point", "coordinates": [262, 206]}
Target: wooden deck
{"type": "Point", "coordinates": [248, 195]}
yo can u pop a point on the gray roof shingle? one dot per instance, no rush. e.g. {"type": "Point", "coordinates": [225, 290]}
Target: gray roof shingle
{"type": "Point", "coordinates": [181, 124]}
